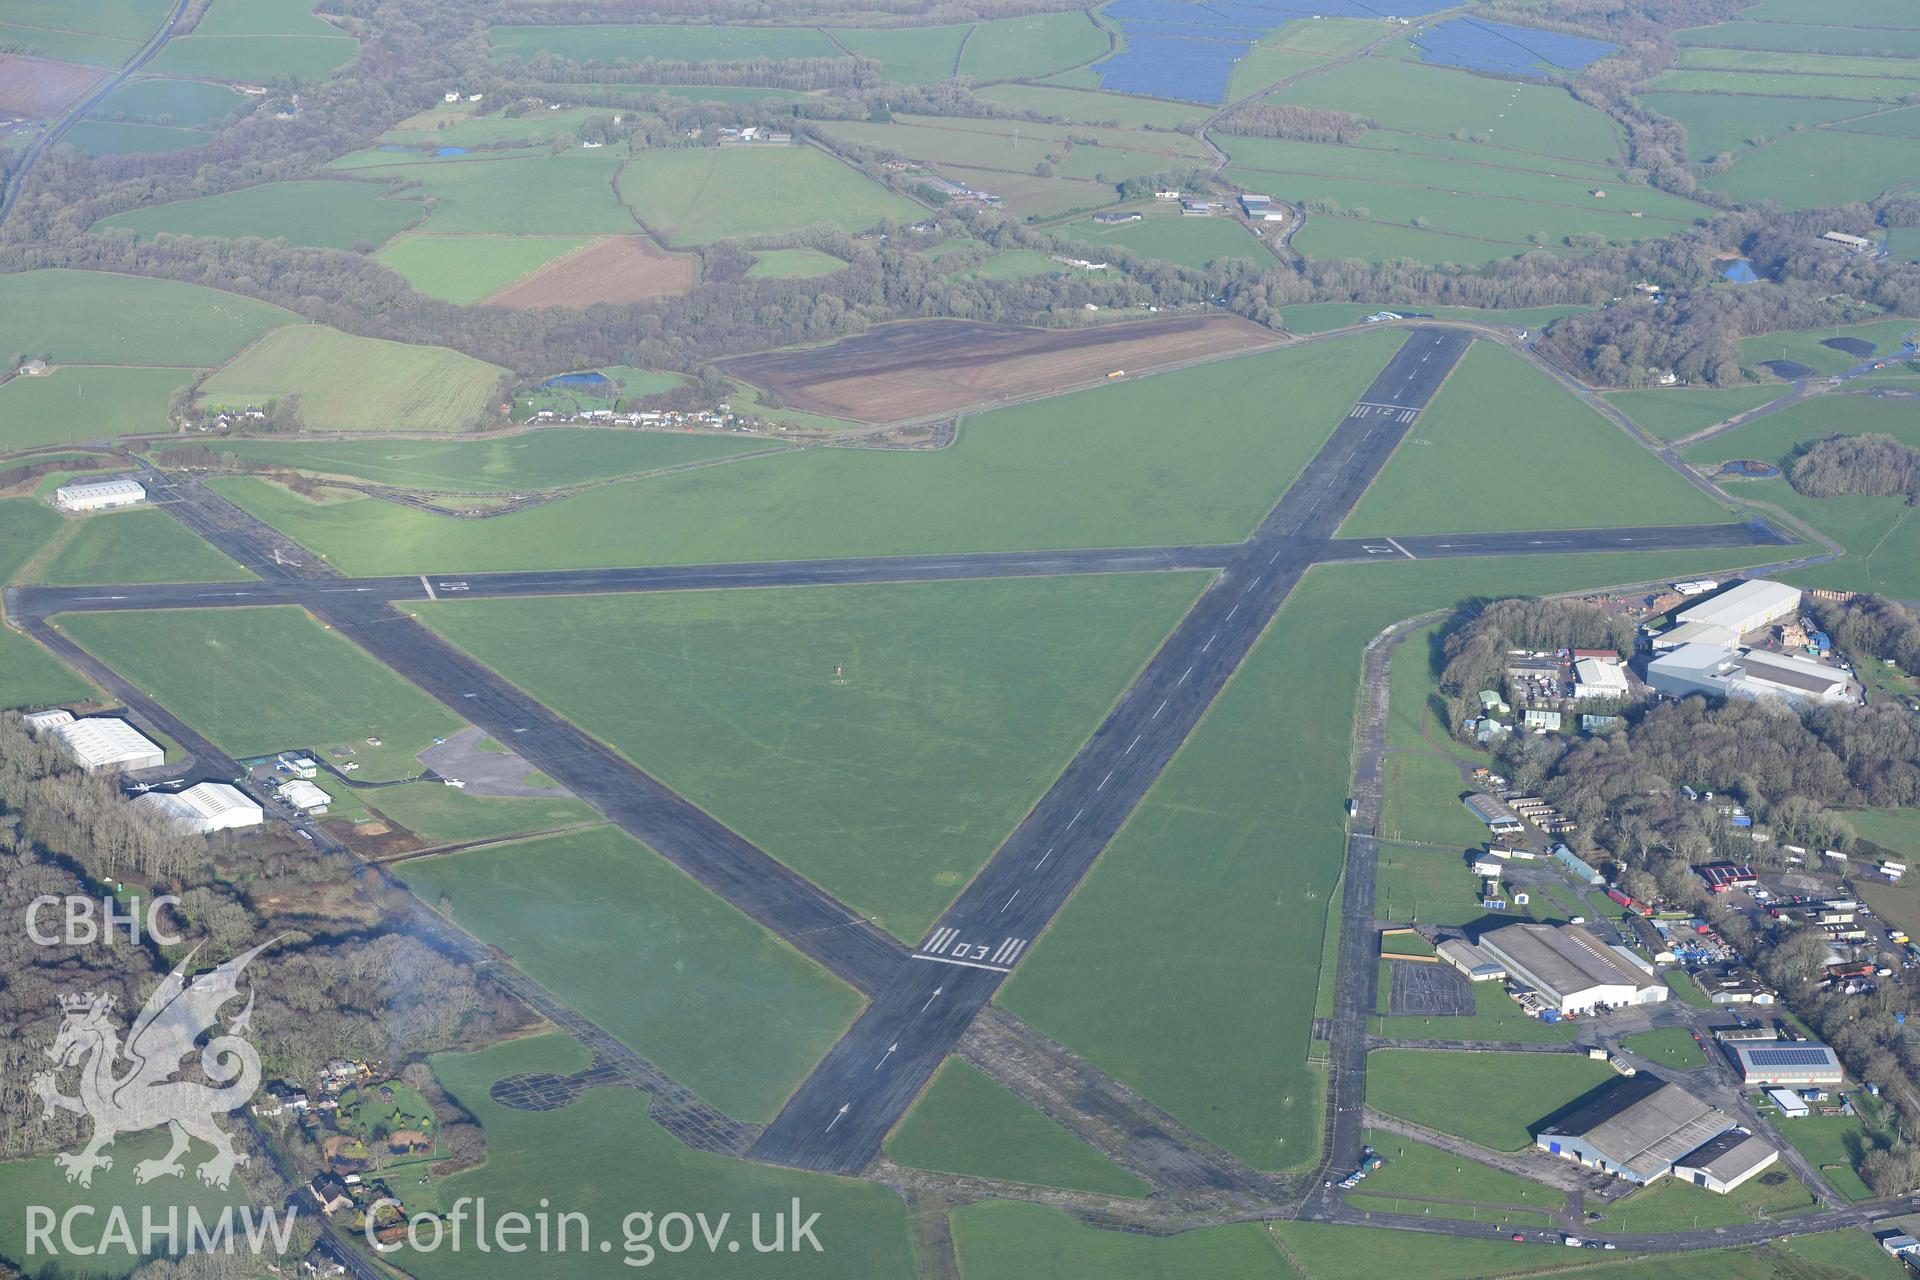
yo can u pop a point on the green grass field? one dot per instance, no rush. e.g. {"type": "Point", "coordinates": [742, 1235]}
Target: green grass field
{"type": "Point", "coordinates": [908, 55]}
{"type": "Point", "coordinates": [445, 815]}
{"type": "Point", "coordinates": [1808, 346]}
{"type": "Point", "coordinates": [69, 46]}
{"type": "Point", "coordinates": [604, 1158]}
{"type": "Point", "coordinates": [1015, 146]}
{"type": "Point", "coordinates": [622, 935]}
{"type": "Point", "coordinates": [40, 1182]}
{"type": "Point", "coordinates": [1103, 467]}
{"type": "Point", "coordinates": [184, 103]}
{"type": "Point", "coordinates": [530, 460]}
{"type": "Point", "coordinates": [86, 402]}
{"type": "Point", "coordinates": [793, 264]}
{"type": "Point", "coordinates": [1029, 47]}
{"type": "Point", "coordinates": [1495, 1017]}
{"type": "Point", "coordinates": [1427, 886]}
{"type": "Point", "coordinates": [1864, 90]}
{"type": "Point", "coordinates": [1457, 472]}
{"type": "Point", "coordinates": [1680, 411]}
{"type": "Point", "coordinates": [29, 675]}
{"type": "Point", "coordinates": [1006, 1240]}
{"type": "Point", "coordinates": [1343, 237]}
{"type": "Point", "coordinates": [1093, 108]}
{"type": "Point", "coordinates": [299, 60]}
{"type": "Point", "coordinates": [263, 680]}
{"type": "Point", "coordinates": [465, 269]}
{"type": "Point", "coordinates": [1422, 801]}
{"type": "Point", "coordinates": [347, 383]}
{"type": "Point", "coordinates": [107, 138]}
{"type": "Point", "coordinates": [1823, 167]}
{"type": "Point", "coordinates": [862, 734]}
{"type": "Point", "coordinates": [1015, 264]}
{"type": "Point", "coordinates": [323, 213]}
{"type": "Point", "coordinates": [1436, 1089]}
{"type": "Point", "coordinates": [1891, 828]}
{"type": "Point", "coordinates": [1836, 1145]}
{"type": "Point", "coordinates": [1433, 100]}
{"type": "Point", "coordinates": [1718, 124]}
{"type": "Point", "coordinates": [696, 195]}
{"type": "Point", "coordinates": [965, 1123]}
{"type": "Point", "coordinates": [459, 125]}
{"type": "Point", "coordinates": [96, 317]}
{"type": "Point", "coordinates": [1178, 965]}
{"type": "Point", "coordinates": [516, 193]}
{"type": "Point", "coordinates": [124, 18]}
{"type": "Point", "coordinates": [1190, 242]}
{"type": "Point", "coordinates": [1318, 317]}
{"type": "Point", "coordinates": [662, 43]}
{"type": "Point", "coordinates": [1417, 1170]}
{"type": "Point", "coordinates": [1668, 1046]}
{"type": "Point", "coordinates": [1846, 40]}
{"type": "Point", "coordinates": [1678, 1206]}
{"type": "Point", "coordinates": [141, 545]}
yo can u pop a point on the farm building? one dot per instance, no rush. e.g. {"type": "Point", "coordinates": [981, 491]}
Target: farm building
{"type": "Point", "coordinates": [1569, 967]}
{"type": "Point", "coordinates": [1726, 1161]}
{"type": "Point", "coordinates": [1797, 1063]}
{"type": "Point", "coordinates": [1718, 671]}
{"type": "Point", "coordinates": [1745, 608]}
{"type": "Point", "coordinates": [99, 495]}
{"type": "Point", "coordinates": [1499, 819]}
{"type": "Point", "coordinates": [1593, 678]}
{"type": "Point", "coordinates": [100, 743]}
{"type": "Point", "coordinates": [1638, 1129]}
{"type": "Point", "coordinates": [1855, 243]}
{"type": "Point", "coordinates": [204, 807]}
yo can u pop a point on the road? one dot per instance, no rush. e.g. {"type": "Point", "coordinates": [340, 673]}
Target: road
{"type": "Point", "coordinates": [838, 1117]}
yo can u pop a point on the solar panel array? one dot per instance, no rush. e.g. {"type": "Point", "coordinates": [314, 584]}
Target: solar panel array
{"type": "Point", "coordinates": [1793, 1057]}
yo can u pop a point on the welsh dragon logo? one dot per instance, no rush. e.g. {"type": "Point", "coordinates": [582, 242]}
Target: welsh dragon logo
{"type": "Point", "coordinates": [143, 1094]}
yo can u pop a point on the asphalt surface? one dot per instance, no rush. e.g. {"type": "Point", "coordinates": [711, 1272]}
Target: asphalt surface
{"type": "Point", "coordinates": [837, 1119]}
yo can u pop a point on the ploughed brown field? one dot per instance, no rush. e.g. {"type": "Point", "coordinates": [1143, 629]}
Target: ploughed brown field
{"type": "Point", "coordinates": [917, 368]}
{"type": "Point", "coordinates": [616, 269]}
{"type": "Point", "coordinates": [35, 87]}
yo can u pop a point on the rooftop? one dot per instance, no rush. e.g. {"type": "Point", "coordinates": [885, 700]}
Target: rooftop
{"type": "Point", "coordinates": [1564, 958]}
{"type": "Point", "coordinates": [1730, 1156]}
{"type": "Point", "coordinates": [1644, 1124]}
{"type": "Point", "coordinates": [1734, 606]}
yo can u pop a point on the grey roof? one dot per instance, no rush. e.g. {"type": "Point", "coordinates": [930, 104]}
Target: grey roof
{"type": "Point", "coordinates": [1488, 809]}
{"type": "Point", "coordinates": [1728, 1157]}
{"type": "Point", "coordinates": [1560, 959]}
{"type": "Point", "coordinates": [1644, 1124]}
{"type": "Point", "coordinates": [1795, 1057]}
{"type": "Point", "coordinates": [1794, 676]}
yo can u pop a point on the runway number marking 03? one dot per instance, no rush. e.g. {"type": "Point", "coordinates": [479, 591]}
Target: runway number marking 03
{"type": "Point", "coordinates": [948, 947]}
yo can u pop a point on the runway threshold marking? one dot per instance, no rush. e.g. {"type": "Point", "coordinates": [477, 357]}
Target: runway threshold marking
{"type": "Point", "coordinates": [946, 946]}
{"type": "Point", "coordinates": [1402, 550]}
{"type": "Point", "coordinates": [428, 586]}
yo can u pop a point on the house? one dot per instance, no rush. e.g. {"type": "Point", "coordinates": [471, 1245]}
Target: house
{"type": "Point", "coordinates": [1570, 969]}
{"type": "Point", "coordinates": [1638, 1128]}
{"type": "Point", "coordinates": [330, 1193]}
{"type": "Point", "coordinates": [1723, 1163]}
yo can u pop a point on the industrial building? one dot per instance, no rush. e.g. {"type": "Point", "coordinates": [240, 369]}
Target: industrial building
{"type": "Point", "coordinates": [1470, 960]}
{"type": "Point", "coordinates": [305, 796]}
{"type": "Point", "coordinates": [1577, 867]}
{"type": "Point", "coordinates": [1597, 678]}
{"type": "Point", "coordinates": [1745, 608]}
{"type": "Point", "coordinates": [204, 807]}
{"type": "Point", "coordinates": [1720, 671]}
{"type": "Point", "coordinates": [1570, 968]}
{"type": "Point", "coordinates": [1726, 1161]}
{"type": "Point", "coordinates": [1499, 819]}
{"type": "Point", "coordinates": [99, 743]}
{"type": "Point", "coordinates": [1638, 1129]}
{"type": "Point", "coordinates": [99, 495]}
{"type": "Point", "coordinates": [1796, 1063]}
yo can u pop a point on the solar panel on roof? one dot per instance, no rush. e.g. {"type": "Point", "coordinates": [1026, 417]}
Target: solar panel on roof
{"type": "Point", "coordinates": [1789, 1057]}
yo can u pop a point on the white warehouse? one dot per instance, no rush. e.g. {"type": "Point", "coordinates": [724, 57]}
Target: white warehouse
{"type": "Point", "coordinates": [1722, 672]}
{"type": "Point", "coordinates": [99, 495]}
{"type": "Point", "coordinates": [100, 742]}
{"type": "Point", "coordinates": [1743, 609]}
{"type": "Point", "coordinates": [204, 807]}
{"type": "Point", "coordinates": [1569, 967]}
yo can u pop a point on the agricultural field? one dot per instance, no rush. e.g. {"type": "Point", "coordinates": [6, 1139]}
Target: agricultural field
{"type": "Point", "coordinates": [1014, 264]}
{"type": "Point", "coordinates": [1190, 242]}
{"type": "Point", "coordinates": [1115, 109]}
{"type": "Point", "coordinates": [27, 45]}
{"type": "Point", "coordinates": [1823, 167]}
{"type": "Point", "coordinates": [965, 1123]}
{"type": "Point", "coordinates": [619, 933]}
{"type": "Point", "coordinates": [507, 464]}
{"type": "Point", "coordinates": [96, 317]}
{"type": "Point", "coordinates": [266, 679]}
{"type": "Point", "coordinates": [140, 545]}
{"type": "Point", "coordinates": [793, 264]}
{"type": "Point", "coordinates": [38, 87]}
{"type": "Point", "coordinates": [327, 214]}
{"type": "Point", "coordinates": [515, 193]}
{"type": "Point", "coordinates": [662, 43]}
{"type": "Point", "coordinates": [347, 383]}
{"type": "Point", "coordinates": [612, 270]}
{"type": "Point", "coordinates": [79, 402]}
{"type": "Point", "coordinates": [181, 103]}
{"type": "Point", "coordinates": [696, 195]}
{"type": "Point", "coordinates": [858, 734]}
{"type": "Point", "coordinates": [1673, 413]}
{"type": "Point", "coordinates": [1195, 925]}
{"type": "Point", "coordinates": [907, 55]}
{"type": "Point", "coordinates": [110, 138]}
{"type": "Point", "coordinates": [1027, 48]}
{"type": "Point", "coordinates": [29, 675]}
{"type": "Point", "coordinates": [606, 1155]}
{"type": "Point", "coordinates": [258, 42]}
{"type": "Point", "coordinates": [1721, 124]}
{"type": "Point", "coordinates": [459, 124]}
{"type": "Point", "coordinates": [1464, 440]}
{"type": "Point", "coordinates": [469, 269]}
{"type": "Point", "coordinates": [1318, 317]}
{"type": "Point", "coordinates": [1008, 1240]}
{"type": "Point", "coordinates": [898, 372]}
{"type": "Point", "coordinates": [1014, 147]}
{"type": "Point", "coordinates": [1426, 1087]}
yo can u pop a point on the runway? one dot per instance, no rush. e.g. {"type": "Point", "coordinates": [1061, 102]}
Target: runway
{"type": "Point", "coordinates": [837, 1119]}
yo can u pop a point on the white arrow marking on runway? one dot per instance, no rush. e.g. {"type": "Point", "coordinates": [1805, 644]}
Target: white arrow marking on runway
{"type": "Point", "coordinates": [891, 1050]}
{"type": "Point", "coordinates": [836, 1116]}
{"type": "Point", "coordinates": [932, 998]}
